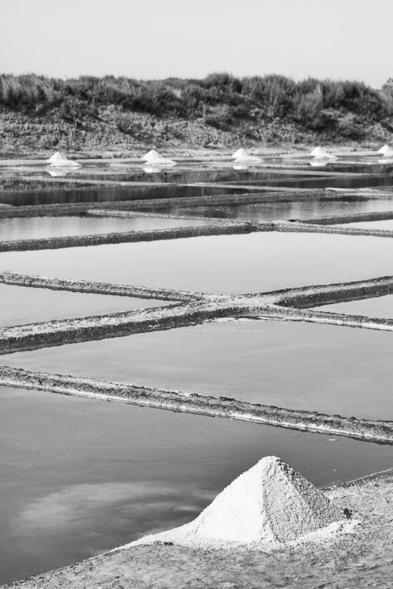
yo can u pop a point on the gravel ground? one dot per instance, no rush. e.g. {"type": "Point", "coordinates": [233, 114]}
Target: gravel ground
{"type": "Point", "coordinates": [362, 559]}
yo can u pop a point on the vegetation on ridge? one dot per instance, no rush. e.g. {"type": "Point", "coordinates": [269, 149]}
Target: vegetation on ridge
{"type": "Point", "coordinates": [219, 109]}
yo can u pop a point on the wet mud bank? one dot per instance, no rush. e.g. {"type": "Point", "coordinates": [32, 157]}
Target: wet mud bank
{"type": "Point", "coordinates": [54, 333]}
{"type": "Point", "coordinates": [312, 227]}
{"type": "Point", "coordinates": [220, 228]}
{"type": "Point", "coordinates": [224, 407]}
{"type": "Point", "coordinates": [355, 218]}
{"type": "Point", "coordinates": [104, 288]}
{"type": "Point", "coordinates": [315, 296]}
{"type": "Point", "coordinates": [188, 309]}
{"type": "Point", "coordinates": [324, 317]}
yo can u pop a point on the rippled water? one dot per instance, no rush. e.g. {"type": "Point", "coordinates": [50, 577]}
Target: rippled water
{"type": "Point", "coordinates": [79, 476]}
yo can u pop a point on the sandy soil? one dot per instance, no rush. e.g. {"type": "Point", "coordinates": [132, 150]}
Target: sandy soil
{"type": "Point", "coordinates": [362, 559]}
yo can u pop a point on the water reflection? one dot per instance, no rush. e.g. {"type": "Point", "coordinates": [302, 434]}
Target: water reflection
{"type": "Point", "coordinates": [319, 163]}
{"type": "Point", "coordinates": [152, 169]}
{"type": "Point", "coordinates": [126, 471]}
{"type": "Point", "coordinates": [58, 172]}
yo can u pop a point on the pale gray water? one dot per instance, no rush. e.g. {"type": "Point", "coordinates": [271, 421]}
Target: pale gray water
{"type": "Point", "coordinates": [385, 225]}
{"type": "Point", "coordinates": [324, 368]}
{"type": "Point", "coordinates": [232, 263]}
{"type": "Point", "coordinates": [373, 307]}
{"type": "Point", "coordinates": [19, 305]}
{"type": "Point", "coordinates": [46, 227]}
{"type": "Point", "coordinates": [80, 476]}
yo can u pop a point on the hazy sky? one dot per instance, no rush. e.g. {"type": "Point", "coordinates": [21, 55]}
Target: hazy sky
{"type": "Point", "coordinates": [190, 38]}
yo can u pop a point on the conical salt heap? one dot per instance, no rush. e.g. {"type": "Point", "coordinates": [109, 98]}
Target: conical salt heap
{"type": "Point", "coordinates": [267, 506]}
{"type": "Point", "coordinates": [384, 149]}
{"type": "Point", "coordinates": [237, 153]}
{"type": "Point", "coordinates": [152, 157]}
{"type": "Point", "coordinates": [241, 155]}
{"type": "Point", "coordinates": [60, 160]}
{"type": "Point", "coordinates": [388, 153]}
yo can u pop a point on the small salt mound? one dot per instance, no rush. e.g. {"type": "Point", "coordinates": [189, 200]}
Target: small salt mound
{"type": "Point", "coordinates": [384, 149]}
{"type": "Point", "coordinates": [60, 160]}
{"type": "Point", "coordinates": [243, 157]}
{"type": "Point", "coordinates": [322, 154]}
{"type": "Point", "coordinates": [317, 151]}
{"type": "Point", "coordinates": [267, 506]}
{"type": "Point", "coordinates": [388, 152]}
{"type": "Point", "coordinates": [238, 153]}
{"type": "Point", "coordinates": [153, 158]}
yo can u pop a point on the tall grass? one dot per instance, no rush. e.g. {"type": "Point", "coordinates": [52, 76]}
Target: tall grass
{"type": "Point", "coordinates": [220, 99]}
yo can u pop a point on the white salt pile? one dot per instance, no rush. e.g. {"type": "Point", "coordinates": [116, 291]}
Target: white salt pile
{"type": "Point", "coordinates": [60, 160]}
{"type": "Point", "coordinates": [153, 158]}
{"type": "Point", "coordinates": [237, 153]}
{"type": "Point", "coordinates": [321, 154]}
{"type": "Point", "coordinates": [268, 506]}
{"type": "Point", "coordinates": [385, 149]}
{"type": "Point", "coordinates": [242, 156]}
{"type": "Point", "coordinates": [388, 151]}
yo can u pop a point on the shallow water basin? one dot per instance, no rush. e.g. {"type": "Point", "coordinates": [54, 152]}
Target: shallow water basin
{"type": "Point", "coordinates": [254, 262]}
{"type": "Point", "coordinates": [20, 305]}
{"type": "Point", "coordinates": [326, 368]}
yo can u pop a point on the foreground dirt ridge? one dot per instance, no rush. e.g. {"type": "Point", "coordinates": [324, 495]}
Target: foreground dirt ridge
{"type": "Point", "coordinates": [360, 559]}
{"type": "Point", "coordinates": [212, 406]}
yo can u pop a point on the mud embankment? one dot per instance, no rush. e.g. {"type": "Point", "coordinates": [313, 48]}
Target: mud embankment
{"type": "Point", "coordinates": [361, 429]}
{"type": "Point", "coordinates": [104, 288]}
{"type": "Point", "coordinates": [59, 332]}
{"type": "Point", "coordinates": [221, 228]}
{"type": "Point", "coordinates": [191, 309]}
{"type": "Point", "coordinates": [342, 319]}
{"type": "Point", "coordinates": [301, 227]}
{"type": "Point", "coordinates": [150, 204]}
{"type": "Point", "coordinates": [355, 218]}
{"type": "Point", "coordinates": [318, 295]}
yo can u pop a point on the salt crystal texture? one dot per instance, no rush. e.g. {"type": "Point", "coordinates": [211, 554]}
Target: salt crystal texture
{"type": "Point", "coordinates": [152, 157]}
{"type": "Point", "coordinates": [59, 159]}
{"type": "Point", "coordinates": [385, 149]}
{"type": "Point", "coordinates": [322, 154]}
{"type": "Point", "coordinates": [241, 155]}
{"type": "Point", "coordinates": [268, 505]}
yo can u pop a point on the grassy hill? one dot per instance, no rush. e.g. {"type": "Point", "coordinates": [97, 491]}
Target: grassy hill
{"type": "Point", "coordinates": [38, 114]}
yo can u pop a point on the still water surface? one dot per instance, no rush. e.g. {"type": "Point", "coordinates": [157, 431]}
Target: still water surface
{"type": "Point", "coordinates": [326, 368]}
{"type": "Point", "coordinates": [19, 305]}
{"type": "Point", "coordinates": [374, 307]}
{"type": "Point", "coordinates": [232, 263]}
{"type": "Point", "coordinates": [79, 476]}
